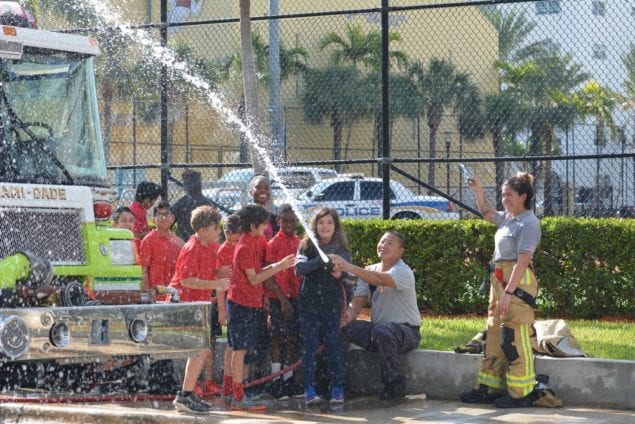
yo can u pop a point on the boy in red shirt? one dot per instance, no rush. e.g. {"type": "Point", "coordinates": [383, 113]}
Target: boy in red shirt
{"type": "Point", "coordinates": [160, 250]}
{"type": "Point", "coordinates": [224, 257]}
{"type": "Point", "coordinates": [123, 217]}
{"type": "Point", "coordinates": [283, 302]}
{"type": "Point", "coordinates": [245, 297]}
{"type": "Point", "coordinates": [146, 195]}
{"type": "Point", "coordinates": [195, 278]}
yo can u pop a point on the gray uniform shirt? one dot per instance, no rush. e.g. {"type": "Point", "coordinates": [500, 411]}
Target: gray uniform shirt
{"type": "Point", "coordinates": [520, 234]}
{"type": "Point", "coordinates": [393, 304]}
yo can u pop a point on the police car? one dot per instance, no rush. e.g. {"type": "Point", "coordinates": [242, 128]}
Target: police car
{"type": "Point", "coordinates": [228, 190]}
{"type": "Point", "coordinates": [359, 197]}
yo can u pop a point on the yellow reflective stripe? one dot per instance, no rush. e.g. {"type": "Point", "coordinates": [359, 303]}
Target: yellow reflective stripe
{"type": "Point", "coordinates": [528, 351]}
{"type": "Point", "coordinates": [490, 380]}
{"type": "Point", "coordinates": [520, 381]}
{"type": "Point", "coordinates": [525, 388]}
{"type": "Point", "coordinates": [527, 381]}
{"type": "Point", "coordinates": [526, 278]}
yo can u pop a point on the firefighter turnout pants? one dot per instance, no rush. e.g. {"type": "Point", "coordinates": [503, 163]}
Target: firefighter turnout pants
{"type": "Point", "coordinates": [508, 358]}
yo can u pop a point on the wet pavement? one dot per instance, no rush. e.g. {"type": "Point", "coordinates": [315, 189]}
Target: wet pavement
{"type": "Point", "coordinates": [414, 409]}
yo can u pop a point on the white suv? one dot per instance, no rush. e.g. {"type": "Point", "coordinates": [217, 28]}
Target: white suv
{"type": "Point", "coordinates": [228, 190]}
{"type": "Point", "coordinates": [359, 197]}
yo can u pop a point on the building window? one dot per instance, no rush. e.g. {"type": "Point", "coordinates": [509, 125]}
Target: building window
{"type": "Point", "coordinates": [548, 7]}
{"type": "Point", "coordinates": [598, 8]}
{"type": "Point", "coordinates": [599, 51]}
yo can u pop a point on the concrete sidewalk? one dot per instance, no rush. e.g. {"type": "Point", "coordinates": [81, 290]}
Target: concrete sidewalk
{"type": "Point", "coordinates": [415, 409]}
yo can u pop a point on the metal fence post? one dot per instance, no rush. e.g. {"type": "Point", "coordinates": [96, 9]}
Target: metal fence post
{"type": "Point", "coordinates": [385, 109]}
{"type": "Point", "coordinates": [165, 166]}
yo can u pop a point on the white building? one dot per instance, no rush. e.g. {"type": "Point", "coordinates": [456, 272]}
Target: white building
{"type": "Point", "coordinates": [597, 34]}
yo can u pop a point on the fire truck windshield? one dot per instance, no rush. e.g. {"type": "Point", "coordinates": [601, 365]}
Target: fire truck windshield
{"type": "Point", "coordinates": [49, 121]}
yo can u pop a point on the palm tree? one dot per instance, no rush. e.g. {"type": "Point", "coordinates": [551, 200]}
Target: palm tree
{"type": "Point", "coordinates": [629, 84]}
{"type": "Point", "coordinates": [442, 87]}
{"type": "Point", "coordinates": [545, 86]}
{"type": "Point", "coordinates": [594, 100]}
{"type": "Point", "coordinates": [250, 82]}
{"type": "Point", "coordinates": [333, 93]}
{"type": "Point", "coordinates": [513, 31]}
{"type": "Point", "coordinates": [292, 63]}
{"type": "Point", "coordinates": [504, 115]}
{"type": "Point", "coordinates": [362, 50]}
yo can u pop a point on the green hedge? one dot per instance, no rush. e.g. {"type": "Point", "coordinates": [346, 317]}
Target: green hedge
{"type": "Point", "coordinates": [586, 267]}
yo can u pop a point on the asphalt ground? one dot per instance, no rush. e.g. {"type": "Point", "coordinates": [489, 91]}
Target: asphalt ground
{"type": "Point", "coordinates": [413, 409]}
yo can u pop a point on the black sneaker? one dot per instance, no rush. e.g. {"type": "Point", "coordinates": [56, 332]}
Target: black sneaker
{"type": "Point", "coordinates": [480, 395]}
{"type": "Point", "coordinates": [506, 401]}
{"type": "Point", "coordinates": [191, 403]}
{"type": "Point", "coordinates": [293, 389]}
{"type": "Point", "coordinates": [394, 390]}
{"type": "Point", "coordinates": [277, 390]}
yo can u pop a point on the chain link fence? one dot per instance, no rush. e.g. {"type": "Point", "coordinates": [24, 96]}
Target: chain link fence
{"type": "Point", "coordinates": [542, 86]}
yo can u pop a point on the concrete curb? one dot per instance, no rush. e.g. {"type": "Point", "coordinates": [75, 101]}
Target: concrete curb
{"type": "Point", "coordinates": [588, 382]}
{"type": "Point", "coordinates": [444, 375]}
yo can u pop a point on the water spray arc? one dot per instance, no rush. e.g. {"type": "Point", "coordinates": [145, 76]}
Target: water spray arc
{"type": "Point", "coordinates": [167, 58]}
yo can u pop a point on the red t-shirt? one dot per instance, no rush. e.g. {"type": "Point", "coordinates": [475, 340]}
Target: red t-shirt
{"type": "Point", "coordinates": [159, 253]}
{"type": "Point", "coordinates": [279, 247]}
{"type": "Point", "coordinates": [248, 254]}
{"type": "Point", "coordinates": [262, 249]}
{"type": "Point", "coordinates": [195, 260]}
{"type": "Point", "coordinates": [137, 245]}
{"type": "Point", "coordinates": [225, 255]}
{"type": "Point", "coordinates": [140, 218]}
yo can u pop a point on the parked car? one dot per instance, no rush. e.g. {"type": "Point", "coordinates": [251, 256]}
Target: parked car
{"type": "Point", "coordinates": [228, 190]}
{"type": "Point", "coordinates": [360, 197]}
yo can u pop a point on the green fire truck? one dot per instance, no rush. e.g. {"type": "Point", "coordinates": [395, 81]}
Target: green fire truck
{"type": "Point", "coordinates": [70, 290]}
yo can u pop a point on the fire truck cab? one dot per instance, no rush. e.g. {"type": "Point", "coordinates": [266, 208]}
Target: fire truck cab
{"type": "Point", "coordinates": [69, 286]}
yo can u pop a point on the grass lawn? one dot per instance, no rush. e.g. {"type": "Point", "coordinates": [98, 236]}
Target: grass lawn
{"type": "Point", "coordinates": [599, 339]}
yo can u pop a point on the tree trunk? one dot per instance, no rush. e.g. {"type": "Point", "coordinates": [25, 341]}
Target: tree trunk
{"type": "Point", "coordinates": [243, 144]}
{"type": "Point", "coordinates": [337, 124]}
{"type": "Point", "coordinates": [434, 128]}
{"type": "Point", "coordinates": [250, 87]}
{"type": "Point", "coordinates": [377, 133]}
{"type": "Point", "coordinates": [250, 84]}
{"type": "Point", "coordinates": [549, 135]}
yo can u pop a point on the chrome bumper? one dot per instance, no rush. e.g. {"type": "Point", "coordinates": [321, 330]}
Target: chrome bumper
{"type": "Point", "coordinates": [171, 330]}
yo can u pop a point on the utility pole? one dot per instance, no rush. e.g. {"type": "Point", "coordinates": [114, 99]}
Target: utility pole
{"type": "Point", "coordinates": [274, 84]}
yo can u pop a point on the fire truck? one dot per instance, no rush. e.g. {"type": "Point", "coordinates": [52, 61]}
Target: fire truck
{"type": "Point", "coordinates": [70, 289]}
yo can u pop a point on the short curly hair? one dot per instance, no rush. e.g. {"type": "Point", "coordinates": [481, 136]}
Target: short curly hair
{"type": "Point", "coordinates": [204, 216]}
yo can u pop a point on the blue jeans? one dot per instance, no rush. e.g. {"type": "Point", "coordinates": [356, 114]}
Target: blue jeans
{"type": "Point", "coordinates": [323, 328]}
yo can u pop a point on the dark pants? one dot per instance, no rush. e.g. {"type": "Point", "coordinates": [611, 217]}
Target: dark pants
{"type": "Point", "coordinates": [323, 328]}
{"type": "Point", "coordinates": [387, 339]}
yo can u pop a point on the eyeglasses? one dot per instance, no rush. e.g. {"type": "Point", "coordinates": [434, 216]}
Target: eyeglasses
{"type": "Point", "coordinates": [165, 214]}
